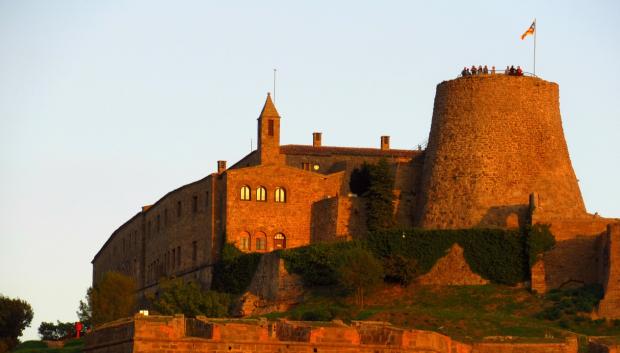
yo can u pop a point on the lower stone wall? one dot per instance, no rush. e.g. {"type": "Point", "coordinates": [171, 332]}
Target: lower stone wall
{"type": "Point", "coordinates": [272, 288]}
{"type": "Point", "coordinates": [609, 306]}
{"type": "Point", "coordinates": [576, 257]}
{"type": "Point", "coordinates": [179, 335]}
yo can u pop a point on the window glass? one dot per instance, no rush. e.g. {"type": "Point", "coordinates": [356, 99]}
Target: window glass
{"type": "Point", "coordinates": [261, 194]}
{"type": "Point", "coordinates": [245, 193]}
{"type": "Point", "coordinates": [279, 241]}
{"type": "Point", "coordinates": [280, 195]}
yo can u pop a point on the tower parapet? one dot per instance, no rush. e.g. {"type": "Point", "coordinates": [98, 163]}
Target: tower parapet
{"type": "Point", "coordinates": [494, 140]}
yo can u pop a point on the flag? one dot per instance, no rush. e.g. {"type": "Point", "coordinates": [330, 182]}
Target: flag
{"type": "Point", "coordinates": [529, 30]}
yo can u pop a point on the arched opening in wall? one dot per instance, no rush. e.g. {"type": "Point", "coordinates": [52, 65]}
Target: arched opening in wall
{"type": "Point", "coordinates": [261, 194]}
{"type": "Point", "coordinates": [245, 193]}
{"type": "Point", "coordinates": [244, 241]}
{"type": "Point", "coordinates": [260, 241]}
{"type": "Point", "coordinates": [279, 241]}
{"type": "Point", "coordinates": [280, 194]}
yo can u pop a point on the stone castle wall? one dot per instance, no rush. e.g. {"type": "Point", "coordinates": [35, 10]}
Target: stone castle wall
{"type": "Point", "coordinates": [180, 335]}
{"type": "Point", "coordinates": [495, 139]}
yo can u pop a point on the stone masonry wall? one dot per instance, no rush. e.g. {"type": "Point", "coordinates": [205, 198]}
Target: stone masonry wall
{"type": "Point", "coordinates": [180, 335]}
{"type": "Point", "coordinates": [291, 218]}
{"type": "Point", "coordinates": [495, 139]}
{"type": "Point", "coordinates": [609, 306]}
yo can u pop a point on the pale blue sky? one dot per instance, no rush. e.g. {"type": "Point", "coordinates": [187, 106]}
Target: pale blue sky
{"type": "Point", "coordinates": [107, 105]}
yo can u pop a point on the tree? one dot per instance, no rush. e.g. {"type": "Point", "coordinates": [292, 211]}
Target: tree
{"type": "Point", "coordinates": [54, 332]}
{"type": "Point", "coordinates": [360, 271]}
{"type": "Point", "coordinates": [187, 298]}
{"type": "Point", "coordinates": [114, 297]}
{"type": "Point", "coordinates": [85, 313]}
{"type": "Point", "coordinates": [15, 316]}
{"type": "Point", "coordinates": [380, 197]}
{"type": "Point", "coordinates": [375, 182]}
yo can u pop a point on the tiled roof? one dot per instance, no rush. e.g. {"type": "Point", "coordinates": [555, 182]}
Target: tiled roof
{"type": "Point", "coordinates": [349, 151]}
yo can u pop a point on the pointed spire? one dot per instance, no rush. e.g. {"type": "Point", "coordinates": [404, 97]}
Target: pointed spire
{"type": "Point", "coordinates": [269, 109]}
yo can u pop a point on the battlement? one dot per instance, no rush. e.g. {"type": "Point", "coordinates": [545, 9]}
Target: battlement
{"type": "Point", "coordinates": [177, 334]}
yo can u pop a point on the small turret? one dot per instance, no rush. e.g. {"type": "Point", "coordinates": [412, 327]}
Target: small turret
{"type": "Point", "coordinates": [269, 133]}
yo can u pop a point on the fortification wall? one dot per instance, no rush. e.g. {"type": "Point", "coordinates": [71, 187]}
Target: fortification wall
{"type": "Point", "coordinates": [180, 335]}
{"type": "Point", "coordinates": [495, 139]}
{"type": "Point", "coordinates": [609, 306]}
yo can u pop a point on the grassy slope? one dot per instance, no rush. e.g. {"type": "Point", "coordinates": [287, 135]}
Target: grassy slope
{"type": "Point", "coordinates": [464, 312]}
{"type": "Point", "coordinates": [73, 346]}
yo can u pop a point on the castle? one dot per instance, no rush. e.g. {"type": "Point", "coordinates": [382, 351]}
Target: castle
{"type": "Point", "coordinates": [496, 157]}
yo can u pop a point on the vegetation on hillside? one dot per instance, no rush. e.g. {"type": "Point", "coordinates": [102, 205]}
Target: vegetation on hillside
{"type": "Point", "coordinates": [15, 315]}
{"type": "Point", "coordinates": [112, 298]}
{"type": "Point", "coordinates": [375, 183]}
{"type": "Point", "coordinates": [467, 313]}
{"type": "Point", "coordinates": [179, 297]}
{"type": "Point", "coordinates": [71, 346]}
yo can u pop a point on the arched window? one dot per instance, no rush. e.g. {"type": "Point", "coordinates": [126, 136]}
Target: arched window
{"type": "Point", "coordinates": [245, 193]}
{"type": "Point", "coordinates": [244, 241]}
{"type": "Point", "coordinates": [260, 241]}
{"type": "Point", "coordinates": [280, 194]}
{"type": "Point", "coordinates": [279, 241]}
{"type": "Point", "coordinates": [261, 194]}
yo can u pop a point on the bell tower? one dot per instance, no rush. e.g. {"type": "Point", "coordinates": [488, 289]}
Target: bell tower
{"type": "Point", "coordinates": [269, 133]}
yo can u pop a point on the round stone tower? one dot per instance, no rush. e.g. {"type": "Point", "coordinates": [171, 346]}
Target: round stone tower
{"type": "Point", "coordinates": [495, 140]}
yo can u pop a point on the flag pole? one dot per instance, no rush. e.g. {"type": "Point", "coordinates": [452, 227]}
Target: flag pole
{"type": "Point", "coordinates": [274, 85]}
{"type": "Point", "coordinates": [535, 31]}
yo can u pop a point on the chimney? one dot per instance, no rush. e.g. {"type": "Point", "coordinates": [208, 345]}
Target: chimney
{"type": "Point", "coordinates": [316, 139]}
{"type": "Point", "coordinates": [385, 142]}
{"type": "Point", "coordinates": [221, 167]}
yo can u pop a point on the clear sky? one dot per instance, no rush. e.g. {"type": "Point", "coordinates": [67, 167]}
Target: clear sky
{"type": "Point", "coordinates": [107, 105]}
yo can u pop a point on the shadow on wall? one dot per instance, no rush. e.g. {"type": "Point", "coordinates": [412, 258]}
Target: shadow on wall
{"type": "Point", "coordinates": [510, 216]}
{"type": "Point", "coordinates": [573, 262]}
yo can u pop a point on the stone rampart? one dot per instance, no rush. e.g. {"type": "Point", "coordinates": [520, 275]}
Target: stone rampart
{"type": "Point", "coordinates": [180, 335]}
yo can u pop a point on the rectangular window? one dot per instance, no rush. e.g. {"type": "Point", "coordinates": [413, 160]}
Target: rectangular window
{"type": "Point", "coordinates": [270, 127]}
{"type": "Point", "coordinates": [195, 204]}
{"type": "Point", "coordinates": [194, 251]}
{"type": "Point", "coordinates": [178, 256]}
{"type": "Point", "coordinates": [179, 208]}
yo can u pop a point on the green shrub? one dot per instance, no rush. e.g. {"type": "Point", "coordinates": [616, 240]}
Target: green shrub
{"type": "Point", "coordinates": [179, 297]}
{"type": "Point", "coordinates": [317, 264]}
{"type": "Point", "coordinates": [319, 314]}
{"type": "Point", "coordinates": [359, 271]}
{"type": "Point", "coordinates": [569, 302]}
{"type": "Point", "coordinates": [234, 272]}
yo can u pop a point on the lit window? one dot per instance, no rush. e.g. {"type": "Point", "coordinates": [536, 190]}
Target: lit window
{"type": "Point", "coordinates": [279, 241]}
{"type": "Point", "coordinates": [261, 241]}
{"type": "Point", "coordinates": [244, 241]}
{"type": "Point", "coordinates": [280, 195]}
{"type": "Point", "coordinates": [245, 193]}
{"type": "Point", "coordinates": [261, 194]}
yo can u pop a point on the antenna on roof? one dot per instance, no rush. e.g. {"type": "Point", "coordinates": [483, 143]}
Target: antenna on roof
{"type": "Point", "coordinates": [251, 145]}
{"type": "Point", "coordinates": [274, 85]}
